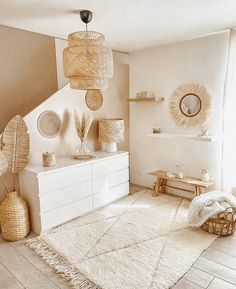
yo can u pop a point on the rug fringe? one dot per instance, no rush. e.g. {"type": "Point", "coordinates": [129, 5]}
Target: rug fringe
{"type": "Point", "coordinates": [61, 265]}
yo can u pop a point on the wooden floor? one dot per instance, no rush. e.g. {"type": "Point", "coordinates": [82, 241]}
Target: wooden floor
{"type": "Point", "coordinates": [21, 268]}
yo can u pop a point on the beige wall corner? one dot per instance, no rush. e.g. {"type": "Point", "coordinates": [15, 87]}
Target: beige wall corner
{"type": "Point", "coordinates": [28, 72]}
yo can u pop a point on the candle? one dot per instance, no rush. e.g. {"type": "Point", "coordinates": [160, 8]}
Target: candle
{"type": "Point", "coordinates": [49, 159]}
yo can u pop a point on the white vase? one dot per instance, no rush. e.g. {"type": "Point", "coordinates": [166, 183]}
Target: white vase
{"type": "Point", "coordinates": [111, 147]}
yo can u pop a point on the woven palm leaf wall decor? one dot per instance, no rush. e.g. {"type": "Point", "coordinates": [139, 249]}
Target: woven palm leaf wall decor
{"type": "Point", "coordinates": [16, 144]}
{"type": "Point", "coordinates": [15, 148]}
{"type": "Point", "coordinates": [3, 163]}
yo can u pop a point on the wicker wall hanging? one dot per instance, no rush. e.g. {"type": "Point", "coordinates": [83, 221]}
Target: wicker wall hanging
{"type": "Point", "coordinates": [49, 124]}
{"type": "Point", "coordinates": [191, 104]}
{"type": "Point", "coordinates": [14, 215]}
{"type": "Point", "coordinates": [88, 62]}
{"type": "Point", "coordinates": [94, 99]}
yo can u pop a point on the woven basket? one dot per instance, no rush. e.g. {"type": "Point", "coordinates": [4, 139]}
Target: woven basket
{"type": "Point", "coordinates": [14, 217]}
{"type": "Point", "coordinates": [223, 224]}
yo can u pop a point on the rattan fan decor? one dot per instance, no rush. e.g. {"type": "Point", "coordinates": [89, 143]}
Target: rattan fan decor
{"type": "Point", "coordinates": [14, 215]}
{"type": "Point", "coordinates": [88, 62]}
{"type": "Point", "coordinates": [94, 99]}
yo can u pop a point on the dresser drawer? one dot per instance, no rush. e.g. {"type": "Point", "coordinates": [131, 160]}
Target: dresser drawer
{"type": "Point", "coordinates": [64, 214]}
{"type": "Point", "coordinates": [63, 179]}
{"type": "Point", "coordinates": [103, 183]}
{"type": "Point", "coordinates": [109, 166]}
{"type": "Point", "coordinates": [64, 196]}
{"type": "Point", "coordinates": [110, 195]}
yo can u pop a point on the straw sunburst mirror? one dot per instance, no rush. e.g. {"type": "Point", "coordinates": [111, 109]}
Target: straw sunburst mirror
{"type": "Point", "coordinates": [191, 105]}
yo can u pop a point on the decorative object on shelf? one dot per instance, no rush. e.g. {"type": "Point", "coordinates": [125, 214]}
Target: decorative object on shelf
{"type": "Point", "coordinates": [205, 177]}
{"type": "Point", "coordinates": [146, 99]}
{"type": "Point", "coordinates": [83, 157]}
{"type": "Point", "coordinates": [191, 105]}
{"type": "Point", "coordinates": [82, 128]}
{"type": "Point", "coordinates": [13, 158]}
{"type": "Point", "coordinates": [49, 124]}
{"type": "Point", "coordinates": [170, 175]}
{"type": "Point", "coordinates": [88, 62]}
{"type": "Point", "coordinates": [49, 159]}
{"type": "Point", "coordinates": [14, 217]}
{"type": "Point", "coordinates": [179, 172]}
{"type": "Point", "coordinates": [111, 132]}
{"type": "Point", "coordinates": [156, 130]}
{"type": "Point", "coordinates": [94, 99]}
{"type": "Point", "coordinates": [204, 132]}
{"type": "Point", "coordinates": [145, 94]}
{"type": "Point", "coordinates": [222, 224]}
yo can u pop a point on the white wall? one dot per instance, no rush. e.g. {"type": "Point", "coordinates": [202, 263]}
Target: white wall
{"type": "Point", "coordinates": [162, 70]}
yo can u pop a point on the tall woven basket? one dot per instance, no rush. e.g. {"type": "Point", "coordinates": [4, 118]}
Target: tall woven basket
{"type": "Point", "coordinates": [14, 217]}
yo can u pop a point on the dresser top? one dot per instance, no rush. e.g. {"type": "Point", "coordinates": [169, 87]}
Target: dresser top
{"type": "Point", "coordinates": [67, 162]}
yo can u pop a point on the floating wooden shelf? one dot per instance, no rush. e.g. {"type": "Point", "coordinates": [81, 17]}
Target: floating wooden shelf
{"type": "Point", "coordinates": [149, 99]}
{"type": "Point", "coordinates": [186, 136]}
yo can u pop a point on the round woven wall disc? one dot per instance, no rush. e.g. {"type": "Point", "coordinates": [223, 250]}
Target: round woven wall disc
{"type": "Point", "coordinates": [49, 124]}
{"type": "Point", "coordinates": [94, 99]}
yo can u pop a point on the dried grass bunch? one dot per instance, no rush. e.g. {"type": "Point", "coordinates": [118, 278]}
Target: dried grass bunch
{"type": "Point", "coordinates": [82, 127]}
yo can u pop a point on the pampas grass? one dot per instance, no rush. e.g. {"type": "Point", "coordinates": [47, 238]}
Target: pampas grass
{"type": "Point", "coordinates": [82, 127]}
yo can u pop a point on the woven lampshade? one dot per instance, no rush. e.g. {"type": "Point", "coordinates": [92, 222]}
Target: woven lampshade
{"type": "Point", "coordinates": [111, 130]}
{"type": "Point", "coordinates": [88, 62]}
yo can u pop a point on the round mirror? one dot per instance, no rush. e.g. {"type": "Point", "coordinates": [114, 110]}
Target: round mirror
{"type": "Point", "coordinates": [190, 104]}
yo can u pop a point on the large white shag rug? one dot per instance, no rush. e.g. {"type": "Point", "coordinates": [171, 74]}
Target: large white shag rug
{"type": "Point", "coordinates": [139, 242]}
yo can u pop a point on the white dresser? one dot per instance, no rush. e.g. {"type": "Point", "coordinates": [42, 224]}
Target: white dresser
{"type": "Point", "coordinates": [61, 193]}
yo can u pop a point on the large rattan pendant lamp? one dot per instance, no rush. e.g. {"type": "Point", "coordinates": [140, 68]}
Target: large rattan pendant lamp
{"type": "Point", "coordinates": [88, 62]}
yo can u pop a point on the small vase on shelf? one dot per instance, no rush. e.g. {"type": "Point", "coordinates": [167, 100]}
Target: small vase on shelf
{"type": "Point", "coordinates": [179, 172]}
{"type": "Point", "coordinates": [82, 127]}
{"type": "Point", "coordinates": [83, 148]}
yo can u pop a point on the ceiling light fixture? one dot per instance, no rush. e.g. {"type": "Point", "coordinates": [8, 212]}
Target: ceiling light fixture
{"type": "Point", "coordinates": [88, 62]}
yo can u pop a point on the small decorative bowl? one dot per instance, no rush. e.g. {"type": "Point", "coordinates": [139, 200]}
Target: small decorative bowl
{"type": "Point", "coordinates": [156, 130]}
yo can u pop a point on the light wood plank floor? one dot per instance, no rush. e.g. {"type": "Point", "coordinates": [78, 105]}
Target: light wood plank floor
{"type": "Point", "coordinates": [21, 268]}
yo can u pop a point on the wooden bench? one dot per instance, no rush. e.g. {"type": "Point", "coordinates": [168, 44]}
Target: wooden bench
{"type": "Point", "coordinates": [160, 184]}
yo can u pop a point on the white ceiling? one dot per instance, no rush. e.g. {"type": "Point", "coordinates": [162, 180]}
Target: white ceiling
{"type": "Point", "coordinates": [127, 24]}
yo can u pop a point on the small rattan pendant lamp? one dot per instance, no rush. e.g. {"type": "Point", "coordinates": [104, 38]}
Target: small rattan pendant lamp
{"type": "Point", "coordinates": [88, 62]}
